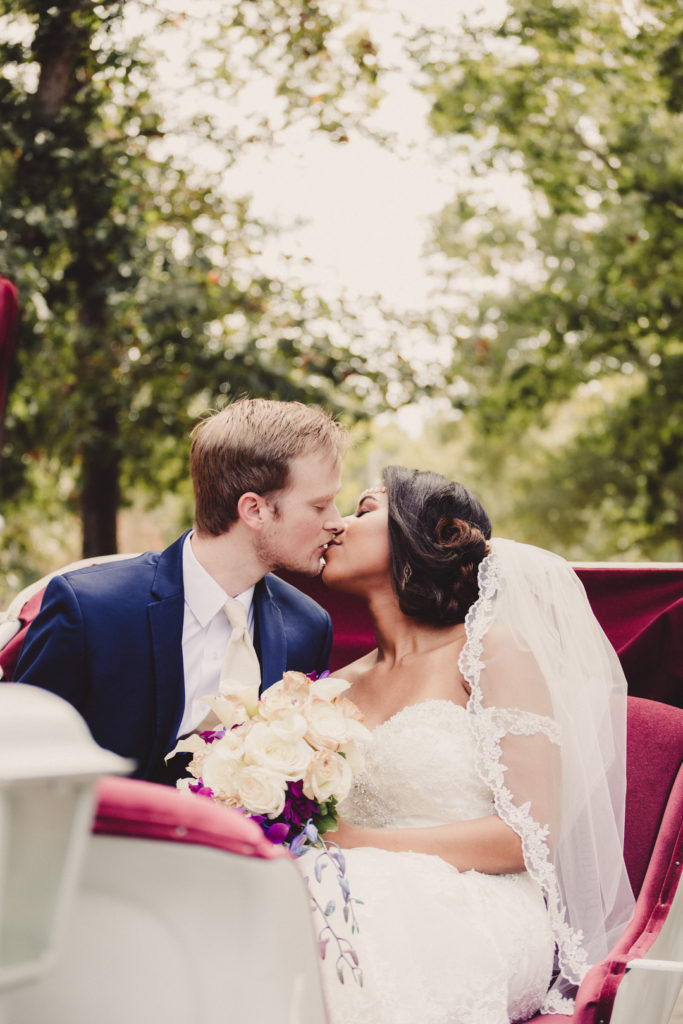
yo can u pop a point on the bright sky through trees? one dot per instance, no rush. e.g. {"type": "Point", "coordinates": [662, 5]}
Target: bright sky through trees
{"type": "Point", "coordinates": [355, 215]}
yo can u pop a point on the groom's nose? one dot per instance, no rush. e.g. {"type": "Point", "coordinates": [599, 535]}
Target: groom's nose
{"type": "Point", "coordinates": [335, 524]}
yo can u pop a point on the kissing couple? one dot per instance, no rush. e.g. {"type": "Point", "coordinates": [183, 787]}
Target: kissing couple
{"type": "Point", "coordinates": [484, 835]}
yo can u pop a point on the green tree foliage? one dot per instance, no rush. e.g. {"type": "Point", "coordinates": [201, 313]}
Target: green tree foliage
{"type": "Point", "coordinates": [141, 304]}
{"type": "Point", "coordinates": [580, 104]}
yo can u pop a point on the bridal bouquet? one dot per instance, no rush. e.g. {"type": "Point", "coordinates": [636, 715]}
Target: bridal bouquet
{"type": "Point", "coordinates": [286, 759]}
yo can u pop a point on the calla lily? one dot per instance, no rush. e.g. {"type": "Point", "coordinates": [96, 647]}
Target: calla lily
{"type": "Point", "coordinates": [246, 693]}
{"type": "Point", "coordinates": [192, 744]}
{"type": "Point", "coordinates": [229, 709]}
{"type": "Point", "coordinates": [329, 687]}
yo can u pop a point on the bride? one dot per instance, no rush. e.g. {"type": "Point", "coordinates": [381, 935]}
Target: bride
{"type": "Point", "coordinates": [484, 836]}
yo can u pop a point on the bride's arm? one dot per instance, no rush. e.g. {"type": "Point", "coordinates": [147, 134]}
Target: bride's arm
{"type": "Point", "coordinates": [485, 844]}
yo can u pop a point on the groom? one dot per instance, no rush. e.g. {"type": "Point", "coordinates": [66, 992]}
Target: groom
{"type": "Point", "coordinates": [135, 644]}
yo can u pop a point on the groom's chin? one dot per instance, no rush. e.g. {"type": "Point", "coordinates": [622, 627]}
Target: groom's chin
{"type": "Point", "coordinates": [312, 570]}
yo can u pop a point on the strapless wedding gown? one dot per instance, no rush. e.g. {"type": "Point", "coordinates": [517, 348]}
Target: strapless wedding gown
{"type": "Point", "coordinates": [436, 945]}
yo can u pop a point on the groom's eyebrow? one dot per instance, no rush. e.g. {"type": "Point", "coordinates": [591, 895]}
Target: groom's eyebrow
{"type": "Point", "coordinates": [326, 499]}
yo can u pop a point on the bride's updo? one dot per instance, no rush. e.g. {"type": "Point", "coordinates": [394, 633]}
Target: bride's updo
{"type": "Point", "coordinates": [437, 537]}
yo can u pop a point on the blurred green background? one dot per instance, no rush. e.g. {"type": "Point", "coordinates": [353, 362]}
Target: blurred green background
{"type": "Point", "coordinates": [544, 367]}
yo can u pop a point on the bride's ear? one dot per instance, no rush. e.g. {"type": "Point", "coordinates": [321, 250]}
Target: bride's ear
{"type": "Point", "coordinates": [252, 510]}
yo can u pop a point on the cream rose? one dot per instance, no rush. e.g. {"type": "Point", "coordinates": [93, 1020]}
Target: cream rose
{"type": "Point", "coordinates": [328, 775]}
{"type": "Point", "coordinates": [278, 702]}
{"type": "Point", "coordinates": [279, 746]}
{"type": "Point", "coordinates": [349, 709]}
{"type": "Point", "coordinates": [295, 684]}
{"type": "Point", "coordinates": [328, 728]}
{"type": "Point", "coordinates": [259, 790]}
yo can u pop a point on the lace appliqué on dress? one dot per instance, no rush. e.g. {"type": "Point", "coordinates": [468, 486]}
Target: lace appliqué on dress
{"type": "Point", "coordinates": [557, 1003]}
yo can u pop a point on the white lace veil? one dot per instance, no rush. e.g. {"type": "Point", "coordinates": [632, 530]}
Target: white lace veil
{"type": "Point", "coordinates": [548, 711]}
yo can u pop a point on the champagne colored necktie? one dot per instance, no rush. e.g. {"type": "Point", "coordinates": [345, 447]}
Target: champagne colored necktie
{"type": "Point", "coordinates": [240, 662]}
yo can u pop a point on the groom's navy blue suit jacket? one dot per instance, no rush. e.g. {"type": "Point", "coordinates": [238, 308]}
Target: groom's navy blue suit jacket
{"type": "Point", "coordinates": [108, 638]}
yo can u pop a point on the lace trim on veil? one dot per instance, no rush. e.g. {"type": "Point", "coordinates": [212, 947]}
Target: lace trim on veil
{"type": "Point", "coordinates": [490, 726]}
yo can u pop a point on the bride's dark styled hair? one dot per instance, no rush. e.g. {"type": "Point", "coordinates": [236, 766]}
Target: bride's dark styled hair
{"type": "Point", "coordinates": [437, 538]}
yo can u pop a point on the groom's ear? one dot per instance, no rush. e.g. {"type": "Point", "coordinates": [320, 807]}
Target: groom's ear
{"type": "Point", "coordinates": [252, 510]}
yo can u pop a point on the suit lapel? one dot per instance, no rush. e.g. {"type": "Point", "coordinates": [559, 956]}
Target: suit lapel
{"type": "Point", "coordinates": [269, 635]}
{"type": "Point", "coordinates": [165, 617]}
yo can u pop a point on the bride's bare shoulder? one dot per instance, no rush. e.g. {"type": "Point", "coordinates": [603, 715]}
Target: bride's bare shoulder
{"type": "Point", "coordinates": [356, 669]}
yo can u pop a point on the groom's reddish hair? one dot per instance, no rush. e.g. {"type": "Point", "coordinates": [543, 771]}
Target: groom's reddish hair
{"type": "Point", "coordinates": [248, 447]}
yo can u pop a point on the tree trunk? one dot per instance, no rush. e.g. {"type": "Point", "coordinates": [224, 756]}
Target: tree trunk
{"type": "Point", "coordinates": [61, 49]}
{"type": "Point", "coordinates": [100, 487]}
{"type": "Point", "coordinates": [56, 80]}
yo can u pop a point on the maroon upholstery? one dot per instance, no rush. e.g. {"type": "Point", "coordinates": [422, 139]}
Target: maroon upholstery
{"type": "Point", "coordinates": [147, 810]}
{"type": "Point", "coordinates": [641, 610]}
{"type": "Point", "coordinates": [654, 780]}
{"type": "Point", "coordinates": [9, 314]}
{"type": "Point", "coordinates": [9, 655]}
{"type": "Point", "coordinates": [653, 850]}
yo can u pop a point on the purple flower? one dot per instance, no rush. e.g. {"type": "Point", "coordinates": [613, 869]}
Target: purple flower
{"type": "Point", "coordinates": [209, 735]}
{"type": "Point", "coordinates": [297, 845]}
{"type": "Point", "coordinates": [277, 833]}
{"type": "Point", "coordinates": [298, 808]}
{"type": "Point", "coordinates": [199, 788]}
{"type": "Point", "coordinates": [311, 832]}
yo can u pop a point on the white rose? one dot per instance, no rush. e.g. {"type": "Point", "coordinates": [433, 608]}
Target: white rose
{"type": "Point", "coordinates": [219, 770]}
{"type": "Point", "coordinates": [329, 687]}
{"type": "Point", "coordinates": [259, 790]}
{"type": "Point", "coordinates": [290, 727]}
{"type": "Point", "coordinates": [233, 742]}
{"type": "Point", "coordinates": [328, 775]}
{"type": "Point", "coordinates": [279, 746]}
{"type": "Point", "coordinates": [327, 726]}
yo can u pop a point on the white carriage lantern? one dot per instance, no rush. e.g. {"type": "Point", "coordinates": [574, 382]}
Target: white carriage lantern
{"type": "Point", "coordinates": [49, 765]}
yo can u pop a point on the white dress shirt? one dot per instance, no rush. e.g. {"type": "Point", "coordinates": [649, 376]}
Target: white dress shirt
{"type": "Point", "coordinates": [206, 632]}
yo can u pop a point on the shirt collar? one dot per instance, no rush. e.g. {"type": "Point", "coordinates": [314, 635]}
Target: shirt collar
{"type": "Point", "coordinates": [204, 597]}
